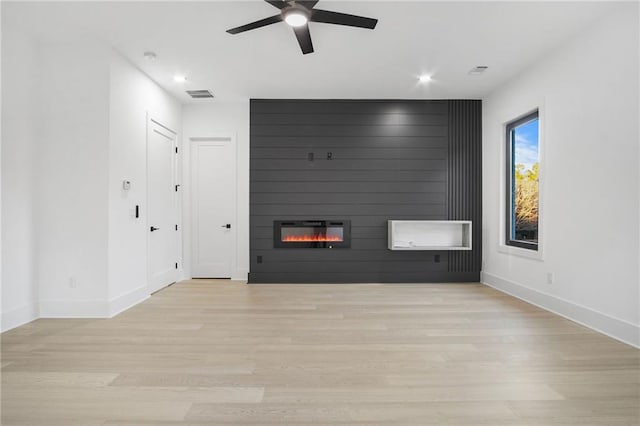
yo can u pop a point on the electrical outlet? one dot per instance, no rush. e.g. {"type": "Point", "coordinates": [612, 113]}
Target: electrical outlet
{"type": "Point", "coordinates": [72, 282]}
{"type": "Point", "coordinates": [550, 278]}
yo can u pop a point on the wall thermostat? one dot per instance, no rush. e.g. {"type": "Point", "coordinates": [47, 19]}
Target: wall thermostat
{"type": "Point", "coordinates": [126, 185]}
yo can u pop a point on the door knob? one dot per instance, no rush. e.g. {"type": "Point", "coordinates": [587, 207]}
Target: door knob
{"type": "Point", "coordinates": [228, 226]}
{"type": "Point", "coordinates": [153, 228]}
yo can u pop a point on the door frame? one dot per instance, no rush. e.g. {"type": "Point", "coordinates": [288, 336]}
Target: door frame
{"type": "Point", "coordinates": [231, 139]}
{"type": "Point", "coordinates": [151, 122]}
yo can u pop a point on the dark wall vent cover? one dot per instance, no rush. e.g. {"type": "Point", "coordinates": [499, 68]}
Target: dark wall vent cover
{"type": "Point", "coordinates": [478, 70]}
{"type": "Point", "coordinates": [200, 94]}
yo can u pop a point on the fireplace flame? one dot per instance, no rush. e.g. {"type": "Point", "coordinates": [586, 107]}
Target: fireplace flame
{"type": "Point", "coordinates": [311, 238]}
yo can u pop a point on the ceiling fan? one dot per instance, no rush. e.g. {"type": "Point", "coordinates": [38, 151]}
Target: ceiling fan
{"type": "Point", "coordinates": [298, 14]}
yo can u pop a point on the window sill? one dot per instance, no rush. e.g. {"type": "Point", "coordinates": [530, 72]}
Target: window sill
{"type": "Point", "coordinates": [521, 252]}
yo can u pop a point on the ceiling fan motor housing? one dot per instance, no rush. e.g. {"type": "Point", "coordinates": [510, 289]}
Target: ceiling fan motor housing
{"type": "Point", "coordinates": [293, 10]}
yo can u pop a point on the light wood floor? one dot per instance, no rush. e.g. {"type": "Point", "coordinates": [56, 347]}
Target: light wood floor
{"type": "Point", "coordinates": [220, 352]}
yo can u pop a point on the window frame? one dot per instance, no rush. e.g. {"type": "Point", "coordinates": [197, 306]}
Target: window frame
{"type": "Point", "coordinates": [509, 188]}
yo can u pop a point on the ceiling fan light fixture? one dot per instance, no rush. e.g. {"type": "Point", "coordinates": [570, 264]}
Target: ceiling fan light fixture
{"type": "Point", "coordinates": [296, 18]}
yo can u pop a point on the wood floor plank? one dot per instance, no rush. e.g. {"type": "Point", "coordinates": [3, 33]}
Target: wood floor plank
{"type": "Point", "coordinates": [432, 393]}
{"type": "Point", "coordinates": [357, 413]}
{"type": "Point", "coordinates": [215, 352]}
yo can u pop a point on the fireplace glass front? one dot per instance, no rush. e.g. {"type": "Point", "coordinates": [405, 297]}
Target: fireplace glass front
{"type": "Point", "coordinates": [312, 234]}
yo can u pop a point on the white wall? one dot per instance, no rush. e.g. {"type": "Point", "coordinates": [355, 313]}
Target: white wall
{"type": "Point", "coordinates": [19, 118]}
{"type": "Point", "coordinates": [132, 96]}
{"type": "Point", "coordinates": [75, 119]}
{"type": "Point", "coordinates": [587, 92]}
{"type": "Point", "coordinates": [220, 119]}
{"type": "Point", "coordinates": [72, 168]}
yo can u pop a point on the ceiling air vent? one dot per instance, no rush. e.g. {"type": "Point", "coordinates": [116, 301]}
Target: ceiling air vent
{"type": "Point", "coordinates": [478, 70]}
{"type": "Point", "coordinates": [199, 94]}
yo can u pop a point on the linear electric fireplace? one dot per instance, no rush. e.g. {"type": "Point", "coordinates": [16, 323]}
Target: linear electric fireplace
{"type": "Point", "coordinates": [312, 234]}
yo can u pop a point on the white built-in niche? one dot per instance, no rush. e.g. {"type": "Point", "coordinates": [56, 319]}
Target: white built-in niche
{"type": "Point", "coordinates": [429, 234]}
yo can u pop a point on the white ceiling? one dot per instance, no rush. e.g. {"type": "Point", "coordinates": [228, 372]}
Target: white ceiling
{"type": "Point", "coordinates": [444, 39]}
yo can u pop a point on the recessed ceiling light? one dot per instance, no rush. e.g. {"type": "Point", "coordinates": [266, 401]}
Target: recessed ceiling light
{"type": "Point", "coordinates": [296, 18]}
{"type": "Point", "coordinates": [424, 78]}
{"type": "Point", "coordinates": [150, 56]}
{"type": "Point", "coordinates": [179, 78]}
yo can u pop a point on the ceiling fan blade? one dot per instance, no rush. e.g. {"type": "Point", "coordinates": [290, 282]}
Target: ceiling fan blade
{"type": "Point", "coordinates": [337, 18]}
{"type": "Point", "coordinates": [258, 24]}
{"type": "Point", "coordinates": [309, 4]}
{"type": "Point", "coordinates": [304, 38]}
{"type": "Point", "coordinates": [276, 3]}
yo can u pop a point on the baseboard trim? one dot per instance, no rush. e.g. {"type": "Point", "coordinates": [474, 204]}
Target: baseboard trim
{"type": "Point", "coordinates": [240, 275]}
{"type": "Point", "coordinates": [19, 316]}
{"type": "Point", "coordinates": [121, 303]}
{"type": "Point", "coordinates": [615, 328]}
{"type": "Point", "coordinates": [74, 309]}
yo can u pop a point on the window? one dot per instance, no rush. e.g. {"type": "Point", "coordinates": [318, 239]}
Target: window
{"type": "Point", "coordinates": [523, 162]}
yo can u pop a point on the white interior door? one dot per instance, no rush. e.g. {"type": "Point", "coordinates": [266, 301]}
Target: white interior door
{"type": "Point", "coordinates": [213, 207]}
{"type": "Point", "coordinates": [161, 202]}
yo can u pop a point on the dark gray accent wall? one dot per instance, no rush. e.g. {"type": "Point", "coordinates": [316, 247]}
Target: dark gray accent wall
{"type": "Point", "coordinates": [389, 160]}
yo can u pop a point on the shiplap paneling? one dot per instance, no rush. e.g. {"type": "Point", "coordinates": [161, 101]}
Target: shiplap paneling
{"type": "Point", "coordinates": [388, 160]}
